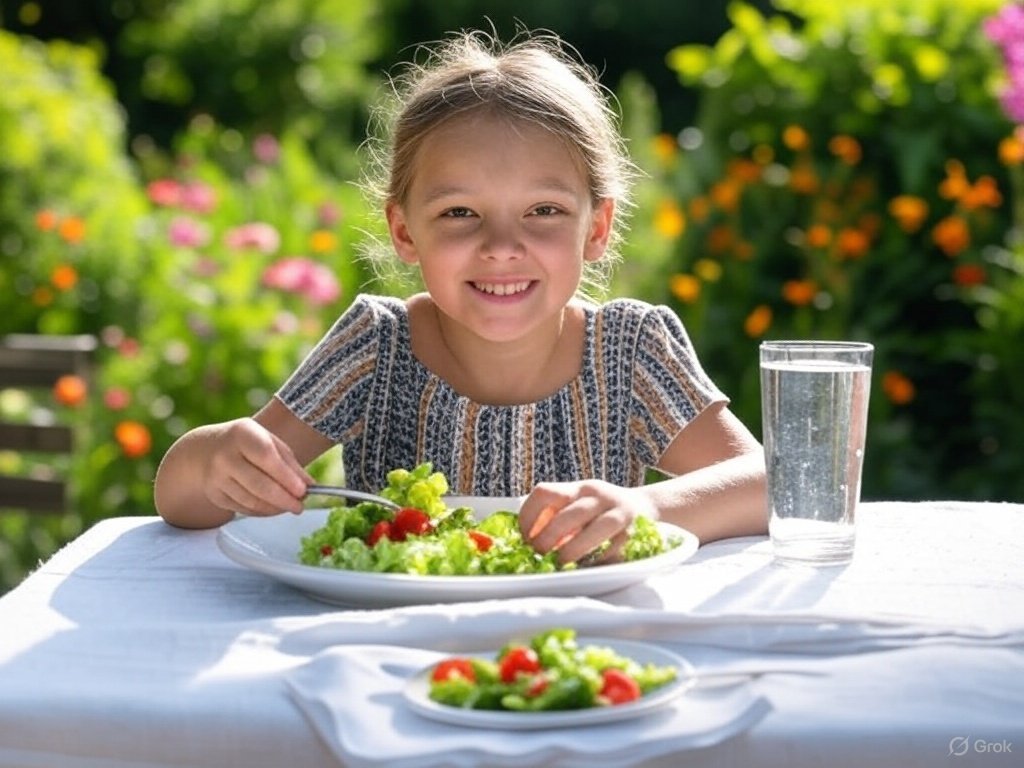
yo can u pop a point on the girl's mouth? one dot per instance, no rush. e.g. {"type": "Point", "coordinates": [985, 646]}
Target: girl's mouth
{"type": "Point", "coordinates": [502, 289]}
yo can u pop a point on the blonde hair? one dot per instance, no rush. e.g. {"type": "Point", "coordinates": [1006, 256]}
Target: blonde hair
{"type": "Point", "coordinates": [536, 78]}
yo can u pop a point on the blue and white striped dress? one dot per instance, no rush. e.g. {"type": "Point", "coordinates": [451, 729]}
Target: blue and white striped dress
{"type": "Point", "coordinates": [640, 383]}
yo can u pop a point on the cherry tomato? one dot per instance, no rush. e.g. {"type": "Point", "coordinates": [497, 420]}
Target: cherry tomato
{"type": "Point", "coordinates": [519, 658]}
{"type": "Point", "coordinates": [482, 540]}
{"type": "Point", "coordinates": [326, 550]}
{"type": "Point", "coordinates": [452, 668]}
{"type": "Point", "coordinates": [409, 521]}
{"type": "Point", "coordinates": [618, 687]}
{"type": "Point", "coordinates": [381, 530]}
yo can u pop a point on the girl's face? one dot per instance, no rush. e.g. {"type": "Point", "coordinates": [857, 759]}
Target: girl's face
{"type": "Point", "coordinates": [500, 221]}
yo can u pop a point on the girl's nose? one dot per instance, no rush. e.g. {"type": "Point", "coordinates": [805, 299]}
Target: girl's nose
{"type": "Point", "coordinates": [502, 243]}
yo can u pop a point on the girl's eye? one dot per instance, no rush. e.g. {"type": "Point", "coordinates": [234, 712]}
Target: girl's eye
{"type": "Point", "coordinates": [457, 213]}
{"type": "Point", "coordinates": [545, 210]}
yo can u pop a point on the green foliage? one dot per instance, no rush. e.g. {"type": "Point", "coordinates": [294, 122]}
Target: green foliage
{"type": "Point", "coordinates": [68, 195]}
{"type": "Point", "coordinates": [843, 180]}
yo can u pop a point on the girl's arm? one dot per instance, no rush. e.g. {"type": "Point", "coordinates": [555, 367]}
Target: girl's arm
{"type": "Point", "coordinates": [250, 465]}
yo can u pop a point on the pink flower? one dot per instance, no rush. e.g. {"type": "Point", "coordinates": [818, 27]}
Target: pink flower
{"type": "Point", "coordinates": [198, 197]}
{"type": "Point", "coordinates": [328, 214]}
{"type": "Point", "coordinates": [165, 192]}
{"type": "Point", "coordinates": [266, 149]}
{"type": "Point", "coordinates": [256, 235]}
{"type": "Point", "coordinates": [117, 398]}
{"type": "Point", "coordinates": [304, 277]}
{"type": "Point", "coordinates": [185, 232]}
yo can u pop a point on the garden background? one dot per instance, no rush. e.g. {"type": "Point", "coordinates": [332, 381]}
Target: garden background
{"type": "Point", "coordinates": [177, 177]}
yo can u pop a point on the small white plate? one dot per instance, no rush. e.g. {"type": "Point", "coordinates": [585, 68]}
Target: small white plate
{"type": "Point", "coordinates": [417, 696]}
{"type": "Point", "coordinates": [270, 545]}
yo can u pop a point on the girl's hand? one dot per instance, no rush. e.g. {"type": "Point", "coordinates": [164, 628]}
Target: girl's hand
{"type": "Point", "coordinates": [576, 518]}
{"type": "Point", "coordinates": [251, 470]}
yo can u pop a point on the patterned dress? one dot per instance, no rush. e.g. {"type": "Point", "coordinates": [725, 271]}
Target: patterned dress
{"type": "Point", "coordinates": [640, 383]}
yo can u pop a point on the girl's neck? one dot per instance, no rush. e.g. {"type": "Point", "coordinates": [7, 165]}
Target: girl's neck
{"type": "Point", "coordinates": [513, 373]}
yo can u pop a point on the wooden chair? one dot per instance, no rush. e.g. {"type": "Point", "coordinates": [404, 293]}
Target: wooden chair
{"type": "Point", "coordinates": [37, 361]}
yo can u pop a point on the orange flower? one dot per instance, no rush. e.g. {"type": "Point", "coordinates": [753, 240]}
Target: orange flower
{"type": "Point", "coordinates": [743, 250]}
{"type": "Point", "coordinates": [686, 288]}
{"type": "Point", "coordinates": [983, 193]}
{"type": "Point", "coordinates": [665, 148]}
{"type": "Point", "coordinates": [726, 194]}
{"type": "Point", "coordinates": [758, 321]}
{"type": "Point", "coordinates": [64, 277]}
{"type": "Point", "coordinates": [955, 185]}
{"type": "Point", "coordinates": [46, 220]}
{"type": "Point", "coordinates": [744, 171]}
{"type": "Point", "coordinates": [796, 138]}
{"type": "Point", "coordinates": [909, 212]}
{"type": "Point", "coordinates": [952, 235]}
{"type": "Point", "coordinates": [699, 208]}
{"type": "Point", "coordinates": [968, 275]}
{"type": "Point", "coordinates": [708, 270]}
{"type": "Point", "coordinates": [846, 148]}
{"type": "Point", "coordinates": [853, 243]}
{"type": "Point", "coordinates": [70, 390]}
{"type": "Point", "coordinates": [42, 296]}
{"type": "Point", "coordinates": [799, 293]}
{"type": "Point", "coordinates": [72, 230]}
{"type": "Point", "coordinates": [803, 179]}
{"type": "Point", "coordinates": [134, 439]}
{"type": "Point", "coordinates": [720, 239]}
{"type": "Point", "coordinates": [897, 387]}
{"type": "Point", "coordinates": [1011, 150]}
{"type": "Point", "coordinates": [322, 241]}
{"type": "Point", "coordinates": [669, 220]}
{"type": "Point", "coordinates": [818, 236]}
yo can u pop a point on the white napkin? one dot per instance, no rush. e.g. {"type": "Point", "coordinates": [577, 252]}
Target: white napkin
{"type": "Point", "coordinates": [352, 696]}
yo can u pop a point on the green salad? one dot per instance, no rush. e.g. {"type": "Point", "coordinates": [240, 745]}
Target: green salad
{"type": "Point", "coordinates": [429, 538]}
{"type": "Point", "coordinates": [549, 672]}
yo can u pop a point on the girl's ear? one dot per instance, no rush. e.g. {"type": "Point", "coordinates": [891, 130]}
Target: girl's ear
{"type": "Point", "coordinates": [401, 238]}
{"type": "Point", "coordinates": [600, 230]}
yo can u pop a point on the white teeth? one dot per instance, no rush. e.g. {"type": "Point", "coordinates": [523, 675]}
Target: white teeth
{"type": "Point", "coordinates": [502, 289]}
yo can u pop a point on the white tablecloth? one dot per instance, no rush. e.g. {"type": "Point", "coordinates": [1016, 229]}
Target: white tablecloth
{"type": "Point", "coordinates": [143, 645]}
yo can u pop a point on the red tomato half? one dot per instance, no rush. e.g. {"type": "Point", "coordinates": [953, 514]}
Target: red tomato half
{"type": "Point", "coordinates": [381, 530]}
{"type": "Point", "coordinates": [452, 668]}
{"type": "Point", "coordinates": [409, 521]}
{"type": "Point", "coordinates": [482, 541]}
{"type": "Point", "coordinates": [519, 658]}
{"type": "Point", "coordinates": [619, 687]}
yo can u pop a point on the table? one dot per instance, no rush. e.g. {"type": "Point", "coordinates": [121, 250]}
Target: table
{"type": "Point", "coordinates": [142, 645]}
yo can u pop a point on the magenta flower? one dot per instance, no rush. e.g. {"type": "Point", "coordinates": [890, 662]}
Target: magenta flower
{"type": "Point", "coordinates": [328, 214]}
{"type": "Point", "coordinates": [256, 235]}
{"type": "Point", "coordinates": [304, 277]}
{"type": "Point", "coordinates": [198, 197]}
{"type": "Point", "coordinates": [1006, 30]}
{"type": "Point", "coordinates": [185, 232]}
{"type": "Point", "coordinates": [165, 192]}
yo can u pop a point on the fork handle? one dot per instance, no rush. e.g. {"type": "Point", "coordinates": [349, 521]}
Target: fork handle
{"type": "Point", "coordinates": [347, 493]}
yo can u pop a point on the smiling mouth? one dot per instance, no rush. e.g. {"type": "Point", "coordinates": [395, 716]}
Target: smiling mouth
{"type": "Point", "coordinates": [502, 289]}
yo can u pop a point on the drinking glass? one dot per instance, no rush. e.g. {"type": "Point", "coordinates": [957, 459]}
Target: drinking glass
{"type": "Point", "coordinates": [814, 407]}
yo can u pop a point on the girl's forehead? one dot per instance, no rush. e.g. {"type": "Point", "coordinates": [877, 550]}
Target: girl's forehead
{"type": "Point", "coordinates": [491, 134]}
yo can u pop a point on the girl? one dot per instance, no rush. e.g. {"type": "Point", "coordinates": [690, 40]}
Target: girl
{"type": "Point", "coordinates": [504, 184]}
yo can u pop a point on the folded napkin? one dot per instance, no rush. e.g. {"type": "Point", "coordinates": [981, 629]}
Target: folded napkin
{"type": "Point", "coordinates": [352, 696]}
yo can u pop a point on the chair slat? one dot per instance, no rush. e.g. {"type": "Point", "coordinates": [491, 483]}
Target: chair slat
{"type": "Point", "coordinates": [32, 495]}
{"type": "Point", "coordinates": [32, 438]}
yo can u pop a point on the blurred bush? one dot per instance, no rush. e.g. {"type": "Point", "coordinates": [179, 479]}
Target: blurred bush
{"type": "Point", "coordinates": [843, 179]}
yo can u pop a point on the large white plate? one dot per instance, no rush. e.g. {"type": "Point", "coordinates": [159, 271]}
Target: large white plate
{"type": "Point", "coordinates": [417, 695]}
{"type": "Point", "coordinates": [271, 546]}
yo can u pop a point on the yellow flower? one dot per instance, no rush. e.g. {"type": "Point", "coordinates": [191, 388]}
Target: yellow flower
{"type": "Point", "coordinates": [846, 148]}
{"type": "Point", "coordinates": [322, 241]}
{"type": "Point", "coordinates": [708, 270]}
{"type": "Point", "coordinates": [669, 220]}
{"type": "Point", "coordinates": [665, 148]}
{"type": "Point", "coordinates": [684, 287]}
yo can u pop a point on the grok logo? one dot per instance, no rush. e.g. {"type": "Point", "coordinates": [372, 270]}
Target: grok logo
{"type": "Point", "coordinates": [961, 745]}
